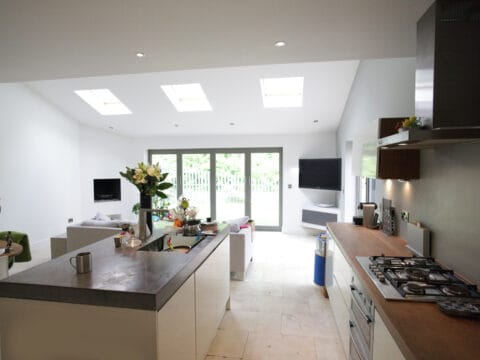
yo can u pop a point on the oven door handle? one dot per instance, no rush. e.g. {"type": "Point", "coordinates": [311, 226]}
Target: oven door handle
{"type": "Point", "coordinates": [358, 302]}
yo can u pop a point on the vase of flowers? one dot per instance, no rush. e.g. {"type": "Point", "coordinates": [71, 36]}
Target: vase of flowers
{"type": "Point", "coordinates": [183, 213]}
{"type": "Point", "coordinates": [150, 181]}
{"type": "Point", "coordinates": [412, 122]}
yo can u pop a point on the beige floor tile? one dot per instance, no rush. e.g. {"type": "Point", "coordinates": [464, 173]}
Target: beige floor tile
{"type": "Point", "coordinates": [210, 357]}
{"type": "Point", "coordinates": [229, 343]}
{"type": "Point", "coordinates": [308, 325]}
{"type": "Point", "coordinates": [328, 347]}
{"type": "Point", "coordinates": [251, 321]}
{"type": "Point", "coordinates": [265, 346]}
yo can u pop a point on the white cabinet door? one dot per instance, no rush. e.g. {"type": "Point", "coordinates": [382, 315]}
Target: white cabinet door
{"type": "Point", "coordinates": [338, 275]}
{"type": "Point", "coordinates": [212, 291]}
{"type": "Point", "coordinates": [176, 325]}
{"type": "Point", "coordinates": [384, 346]}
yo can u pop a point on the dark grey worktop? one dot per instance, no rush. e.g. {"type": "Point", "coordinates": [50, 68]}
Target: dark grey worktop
{"type": "Point", "coordinates": [120, 277]}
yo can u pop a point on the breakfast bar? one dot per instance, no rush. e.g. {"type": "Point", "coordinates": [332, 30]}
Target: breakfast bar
{"type": "Point", "coordinates": [133, 304]}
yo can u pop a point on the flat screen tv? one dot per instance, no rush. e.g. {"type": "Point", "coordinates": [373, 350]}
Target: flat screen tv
{"type": "Point", "coordinates": [106, 190]}
{"type": "Point", "coordinates": [325, 174]}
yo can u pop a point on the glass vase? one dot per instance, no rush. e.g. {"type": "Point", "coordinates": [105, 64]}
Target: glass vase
{"type": "Point", "coordinates": [146, 203]}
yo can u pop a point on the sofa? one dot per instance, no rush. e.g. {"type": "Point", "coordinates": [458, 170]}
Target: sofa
{"type": "Point", "coordinates": [86, 233]}
{"type": "Point", "coordinates": [241, 252]}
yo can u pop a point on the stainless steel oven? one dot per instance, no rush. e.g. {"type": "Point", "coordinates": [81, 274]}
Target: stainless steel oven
{"type": "Point", "coordinates": [362, 312]}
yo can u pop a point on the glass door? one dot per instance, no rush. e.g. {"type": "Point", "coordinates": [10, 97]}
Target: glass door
{"type": "Point", "coordinates": [230, 185]}
{"type": "Point", "coordinates": [168, 163]}
{"type": "Point", "coordinates": [196, 182]}
{"type": "Point", "coordinates": [227, 183]}
{"type": "Point", "coordinates": [265, 189]}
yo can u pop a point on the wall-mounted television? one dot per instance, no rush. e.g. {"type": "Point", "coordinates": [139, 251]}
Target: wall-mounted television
{"type": "Point", "coordinates": [324, 174]}
{"type": "Point", "coordinates": [106, 190]}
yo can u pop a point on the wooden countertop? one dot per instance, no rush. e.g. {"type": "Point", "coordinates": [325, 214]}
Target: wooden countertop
{"type": "Point", "coordinates": [421, 330]}
{"type": "Point", "coordinates": [120, 277]}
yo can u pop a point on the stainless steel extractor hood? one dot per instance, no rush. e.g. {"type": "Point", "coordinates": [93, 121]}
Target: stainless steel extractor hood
{"type": "Point", "coordinates": [447, 77]}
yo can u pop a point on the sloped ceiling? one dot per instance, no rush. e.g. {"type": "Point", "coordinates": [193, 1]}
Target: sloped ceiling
{"type": "Point", "coordinates": [57, 46]}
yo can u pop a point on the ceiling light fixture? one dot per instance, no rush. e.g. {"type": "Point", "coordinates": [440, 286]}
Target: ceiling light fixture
{"type": "Point", "coordinates": [282, 92]}
{"type": "Point", "coordinates": [187, 97]}
{"type": "Point", "coordinates": [280, 43]}
{"type": "Point", "coordinates": [315, 121]}
{"type": "Point", "coordinates": [232, 124]}
{"type": "Point", "coordinates": [140, 55]}
{"type": "Point", "coordinates": [103, 101]}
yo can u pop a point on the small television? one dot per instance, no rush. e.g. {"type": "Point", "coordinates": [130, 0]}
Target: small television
{"type": "Point", "coordinates": [324, 174]}
{"type": "Point", "coordinates": [106, 190]}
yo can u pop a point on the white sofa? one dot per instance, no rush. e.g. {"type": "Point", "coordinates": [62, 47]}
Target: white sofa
{"type": "Point", "coordinates": [86, 233]}
{"type": "Point", "coordinates": [241, 253]}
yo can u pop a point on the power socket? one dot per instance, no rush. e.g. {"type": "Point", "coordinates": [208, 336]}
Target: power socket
{"type": "Point", "coordinates": [405, 215]}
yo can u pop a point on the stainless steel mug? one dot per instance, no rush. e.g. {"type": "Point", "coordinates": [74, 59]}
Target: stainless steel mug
{"type": "Point", "coordinates": [83, 262]}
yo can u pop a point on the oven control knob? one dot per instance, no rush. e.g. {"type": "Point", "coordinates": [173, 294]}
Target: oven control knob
{"type": "Point", "coordinates": [381, 278]}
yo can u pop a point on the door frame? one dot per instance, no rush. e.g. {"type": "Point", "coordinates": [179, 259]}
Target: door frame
{"type": "Point", "coordinates": [248, 198]}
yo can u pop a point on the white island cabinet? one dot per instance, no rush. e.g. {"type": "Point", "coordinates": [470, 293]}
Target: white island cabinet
{"type": "Point", "coordinates": [182, 329]}
{"type": "Point", "coordinates": [212, 292]}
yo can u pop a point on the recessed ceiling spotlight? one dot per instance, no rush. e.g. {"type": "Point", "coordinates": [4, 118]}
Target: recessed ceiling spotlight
{"type": "Point", "coordinates": [315, 121]}
{"type": "Point", "coordinates": [175, 125]}
{"type": "Point", "coordinates": [111, 127]}
{"type": "Point", "coordinates": [232, 124]}
{"type": "Point", "coordinates": [280, 44]}
{"type": "Point", "coordinates": [140, 55]}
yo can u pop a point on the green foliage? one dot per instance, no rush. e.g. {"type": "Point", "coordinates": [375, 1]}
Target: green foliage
{"type": "Point", "coordinates": [148, 179]}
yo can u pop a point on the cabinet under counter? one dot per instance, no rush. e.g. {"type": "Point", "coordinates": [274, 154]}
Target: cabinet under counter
{"type": "Point", "coordinates": [176, 319]}
{"type": "Point", "coordinates": [415, 330]}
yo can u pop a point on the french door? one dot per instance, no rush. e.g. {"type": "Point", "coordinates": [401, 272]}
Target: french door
{"type": "Point", "coordinates": [227, 183]}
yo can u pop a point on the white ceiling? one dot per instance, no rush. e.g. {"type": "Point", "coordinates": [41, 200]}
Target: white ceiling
{"type": "Point", "coordinates": [234, 94]}
{"type": "Point", "coordinates": [225, 45]}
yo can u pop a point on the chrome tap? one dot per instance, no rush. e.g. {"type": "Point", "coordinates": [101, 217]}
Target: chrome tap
{"type": "Point", "coordinates": [142, 221]}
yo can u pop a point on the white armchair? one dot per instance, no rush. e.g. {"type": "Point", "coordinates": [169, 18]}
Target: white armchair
{"type": "Point", "coordinates": [241, 253]}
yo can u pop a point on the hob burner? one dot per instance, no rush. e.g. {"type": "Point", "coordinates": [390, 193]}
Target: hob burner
{"type": "Point", "coordinates": [416, 274]}
{"type": "Point", "coordinates": [455, 290]}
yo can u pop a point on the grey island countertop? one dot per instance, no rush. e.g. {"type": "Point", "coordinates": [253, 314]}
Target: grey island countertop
{"type": "Point", "coordinates": [120, 277]}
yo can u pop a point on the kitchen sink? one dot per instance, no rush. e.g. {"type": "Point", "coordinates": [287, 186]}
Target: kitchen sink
{"type": "Point", "coordinates": [179, 243]}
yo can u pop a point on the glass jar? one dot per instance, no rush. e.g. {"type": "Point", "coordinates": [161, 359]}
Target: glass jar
{"type": "Point", "coordinates": [191, 227]}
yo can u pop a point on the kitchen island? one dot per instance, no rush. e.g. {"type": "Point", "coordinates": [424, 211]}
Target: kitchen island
{"type": "Point", "coordinates": [134, 304]}
{"type": "Point", "coordinates": [419, 329]}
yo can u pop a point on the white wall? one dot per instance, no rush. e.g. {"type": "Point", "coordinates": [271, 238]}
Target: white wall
{"type": "Point", "coordinates": [105, 154]}
{"type": "Point", "coordinates": [39, 164]}
{"type": "Point", "coordinates": [446, 197]}
{"type": "Point", "coordinates": [382, 88]}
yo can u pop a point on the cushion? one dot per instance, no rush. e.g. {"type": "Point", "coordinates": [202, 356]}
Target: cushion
{"type": "Point", "coordinates": [101, 223]}
{"type": "Point", "coordinates": [101, 216]}
{"type": "Point", "coordinates": [235, 224]}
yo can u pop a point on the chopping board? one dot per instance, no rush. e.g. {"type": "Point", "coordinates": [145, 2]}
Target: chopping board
{"type": "Point", "coordinates": [418, 239]}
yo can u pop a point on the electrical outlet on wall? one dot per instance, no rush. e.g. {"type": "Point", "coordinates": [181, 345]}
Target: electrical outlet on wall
{"type": "Point", "coordinates": [405, 215]}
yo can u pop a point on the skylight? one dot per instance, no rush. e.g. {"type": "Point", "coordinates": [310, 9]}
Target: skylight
{"type": "Point", "coordinates": [103, 101]}
{"type": "Point", "coordinates": [187, 97]}
{"type": "Point", "coordinates": [282, 92]}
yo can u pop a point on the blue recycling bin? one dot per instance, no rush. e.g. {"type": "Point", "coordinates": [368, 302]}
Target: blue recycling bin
{"type": "Point", "coordinates": [319, 266]}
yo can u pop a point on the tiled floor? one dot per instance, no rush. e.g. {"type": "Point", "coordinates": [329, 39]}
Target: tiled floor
{"type": "Point", "coordinates": [278, 312]}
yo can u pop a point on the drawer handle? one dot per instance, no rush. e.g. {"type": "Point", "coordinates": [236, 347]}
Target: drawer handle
{"type": "Point", "coordinates": [352, 325]}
